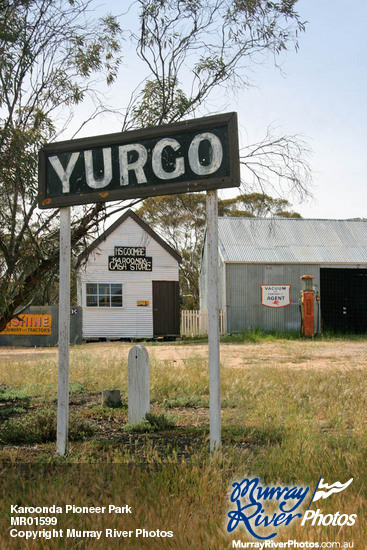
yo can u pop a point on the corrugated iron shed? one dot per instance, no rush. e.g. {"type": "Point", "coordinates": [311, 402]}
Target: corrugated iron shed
{"type": "Point", "coordinates": [292, 240]}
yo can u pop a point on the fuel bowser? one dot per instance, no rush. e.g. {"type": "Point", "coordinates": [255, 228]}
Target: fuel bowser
{"type": "Point", "coordinates": [307, 306]}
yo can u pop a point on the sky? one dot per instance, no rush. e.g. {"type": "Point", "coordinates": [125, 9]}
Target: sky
{"type": "Point", "coordinates": [319, 94]}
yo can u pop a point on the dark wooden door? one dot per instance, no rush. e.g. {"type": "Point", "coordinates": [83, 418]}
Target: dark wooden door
{"type": "Point", "coordinates": [166, 308]}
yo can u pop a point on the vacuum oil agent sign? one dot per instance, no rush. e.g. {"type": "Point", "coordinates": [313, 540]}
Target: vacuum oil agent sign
{"type": "Point", "coordinates": [196, 155]}
{"type": "Point", "coordinates": [275, 295]}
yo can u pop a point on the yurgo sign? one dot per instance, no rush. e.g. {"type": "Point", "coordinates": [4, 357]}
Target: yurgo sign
{"type": "Point", "coordinates": [197, 155]}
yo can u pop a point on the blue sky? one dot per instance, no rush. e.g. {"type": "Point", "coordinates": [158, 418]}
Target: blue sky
{"type": "Point", "coordinates": [320, 94]}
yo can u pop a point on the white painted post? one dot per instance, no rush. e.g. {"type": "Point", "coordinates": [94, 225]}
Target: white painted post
{"type": "Point", "coordinates": [213, 319]}
{"type": "Point", "coordinates": [64, 332]}
{"type": "Point", "coordinates": [138, 384]}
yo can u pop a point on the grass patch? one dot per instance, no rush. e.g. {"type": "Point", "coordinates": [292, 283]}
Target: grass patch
{"type": "Point", "coordinates": [75, 388]}
{"type": "Point", "coordinates": [13, 394]}
{"type": "Point", "coordinates": [284, 419]}
{"type": "Point", "coordinates": [152, 423]}
{"type": "Point", "coordinates": [185, 402]}
{"type": "Point", "coordinates": [40, 427]}
{"type": "Point", "coordinates": [255, 336]}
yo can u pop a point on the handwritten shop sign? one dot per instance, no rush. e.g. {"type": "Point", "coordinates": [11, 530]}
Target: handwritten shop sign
{"type": "Point", "coordinates": [275, 295]}
{"type": "Point", "coordinates": [29, 323]}
{"type": "Point", "coordinates": [197, 155]}
{"type": "Point", "coordinates": [130, 258]}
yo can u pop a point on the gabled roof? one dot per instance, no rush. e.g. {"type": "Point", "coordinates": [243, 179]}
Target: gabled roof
{"type": "Point", "coordinates": [128, 214]}
{"type": "Point", "coordinates": [292, 240]}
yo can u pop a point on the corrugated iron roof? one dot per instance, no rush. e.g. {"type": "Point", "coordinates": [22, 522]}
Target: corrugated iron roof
{"type": "Point", "coordinates": [292, 240]}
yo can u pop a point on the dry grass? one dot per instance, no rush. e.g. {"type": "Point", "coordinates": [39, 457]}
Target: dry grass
{"type": "Point", "coordinates": [292, 411]}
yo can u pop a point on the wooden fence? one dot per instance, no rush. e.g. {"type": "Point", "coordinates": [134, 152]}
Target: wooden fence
{"type": "Point", "coordinates": [195, 323]}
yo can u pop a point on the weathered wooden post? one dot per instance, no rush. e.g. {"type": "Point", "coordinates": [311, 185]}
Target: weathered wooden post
{"type": "Point", "coordinates": [138, 384]}
{"type": "Point", "coordinates": [215, 421]}
{"type": "Point", "coordinates": [64, 333]}
{"type": "Point", "coordinates": [203, 156]}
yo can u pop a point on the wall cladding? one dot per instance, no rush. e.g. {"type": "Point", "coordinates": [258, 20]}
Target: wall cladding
{"type": "Point", "coordinates": [45, 340]}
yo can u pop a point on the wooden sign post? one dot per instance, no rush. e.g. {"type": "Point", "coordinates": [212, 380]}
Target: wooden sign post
{"type": "Point", "coordinates": [213, 320]}
{"type": "Point", "coordinates": [196, 155]}
{"type": "Point", "coordinates": [64, 333]}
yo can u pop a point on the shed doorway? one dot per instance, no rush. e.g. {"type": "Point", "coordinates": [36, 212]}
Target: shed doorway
{"type": "Point", "coordinates": [166, 308]}
{"type": "Point", "coordinates": [343, 294]}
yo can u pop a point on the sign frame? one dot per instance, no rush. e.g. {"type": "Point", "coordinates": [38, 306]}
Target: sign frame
{"type": "Point", "coordinates": [142, 191]}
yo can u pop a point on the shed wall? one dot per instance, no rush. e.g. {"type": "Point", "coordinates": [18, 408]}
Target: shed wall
{"type": "Point", "coordinates": [244, 308]}
{"type": "Point", "coordinates": [44, 340]}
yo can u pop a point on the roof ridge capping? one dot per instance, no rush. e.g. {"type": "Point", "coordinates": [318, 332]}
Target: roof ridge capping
{"type": "Point", "coordinates": [281, 218]}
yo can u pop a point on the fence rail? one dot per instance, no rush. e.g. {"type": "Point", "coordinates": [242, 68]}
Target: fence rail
{"type": "Point", "coordinates": [195, 323]}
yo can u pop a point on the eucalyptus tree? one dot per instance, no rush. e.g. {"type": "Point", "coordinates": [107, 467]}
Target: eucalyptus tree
{"type": "Point", "coordinates": [52, 54]}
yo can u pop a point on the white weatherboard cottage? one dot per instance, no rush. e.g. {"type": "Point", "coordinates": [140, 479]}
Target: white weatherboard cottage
{"type": "Point", "coordinates": [128, 283]}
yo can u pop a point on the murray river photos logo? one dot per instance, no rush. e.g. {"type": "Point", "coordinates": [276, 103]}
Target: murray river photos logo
{"type": "Point", "coordinates": [252, 504]}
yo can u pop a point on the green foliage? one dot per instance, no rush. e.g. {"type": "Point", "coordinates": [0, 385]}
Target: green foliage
{"type": "Point", "coordinates": [214, 37]}
{"type": "Point", "coordinates": [40, 427]}
{"type": "Point", "coordinates": [50, 52]}
{"type": "Point", "coordinates": [53, 53]}
{"type": "Point", "coordinates": [160, 102]}
{"type": "Point", "coordinates": [152, 423]}
{"type": "Point", "coordinates": [13, 394]}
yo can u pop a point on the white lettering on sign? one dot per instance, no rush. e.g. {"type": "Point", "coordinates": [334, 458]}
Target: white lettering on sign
{"type": "Point", "coordinates": [126, 165]}
{"type": "Point", "coordinates": [157, 160]}
{"type": "Point", "coordinates": [130, 251]}
{"type": "Point", "coordinates": [137, 166]}
{"type": "Point", "coordinates": [275, 295]}
{"type": "Point", "coordinates": [98, 183]}
{"type": "Point", "coordinates": [127, 263]}
{"type": "Point", "coordinates": [64, 175]}
{"type": "Point", "coordinates": [216, 154]}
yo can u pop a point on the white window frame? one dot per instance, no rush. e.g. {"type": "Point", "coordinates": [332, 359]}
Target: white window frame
{"type": "Point", "coordinates": [98, 307]}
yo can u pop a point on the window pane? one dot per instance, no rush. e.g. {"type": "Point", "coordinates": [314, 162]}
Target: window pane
{"type": "Point", "coordinates": [116, 301]}
{"type": "Point", "coordinates": [104, 301]}
{"type": "Point", "coordinates": [104, 289]}
{"type": "Point", "coordinates": [91, 288]}
{"type": "Point", "coordinates": [116, 289]}
{"type": "Point", "coordinates": [91, 301]}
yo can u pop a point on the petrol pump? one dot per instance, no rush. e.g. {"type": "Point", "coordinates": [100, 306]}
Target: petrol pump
{"type": "Point", "coordinates": [307, 306]}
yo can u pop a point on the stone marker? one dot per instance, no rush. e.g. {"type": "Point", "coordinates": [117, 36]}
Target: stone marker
{"type": "Point", "coordinates": [138, 382]}
{"type": "Point", "coordinates": [111, 398]}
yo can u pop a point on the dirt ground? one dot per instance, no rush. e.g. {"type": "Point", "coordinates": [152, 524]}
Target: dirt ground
{"type": "Point", "coordinates": [312, 354]}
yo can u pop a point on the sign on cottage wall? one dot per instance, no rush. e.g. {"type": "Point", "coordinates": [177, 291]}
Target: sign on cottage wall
{"type": "Point", "coordinates": [29, 323]}
{"type": "Point", "coordinates": [275, 295]}
{"type": "Point", "coordinates": [197, 155]}
{"type": "Point", "coordinates": [130, 258]}
{"type": "Point", "coordinates": [130, 251]}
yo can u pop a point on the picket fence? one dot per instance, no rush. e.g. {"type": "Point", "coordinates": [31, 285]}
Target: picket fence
{"type": "Point", "coordinates": [195, 323]}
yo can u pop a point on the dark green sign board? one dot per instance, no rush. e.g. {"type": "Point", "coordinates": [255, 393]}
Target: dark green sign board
{"type": "Point", "coordinates": [196, 155]}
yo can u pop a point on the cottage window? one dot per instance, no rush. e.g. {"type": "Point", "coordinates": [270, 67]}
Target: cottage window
{"type": "Point", "coordinates": [104, 294]}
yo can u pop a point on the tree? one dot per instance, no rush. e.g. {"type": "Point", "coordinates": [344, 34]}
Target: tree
{"type": "Point", "coordinates": [180, 220]}
{"type": "Point", "coordinates": [53, 51]}
{"type": "Point", "coordinates": [50, 52]}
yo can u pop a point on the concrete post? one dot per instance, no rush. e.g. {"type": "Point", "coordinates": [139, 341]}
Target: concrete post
{"type": "Point", "coordinates": [138, 384]}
